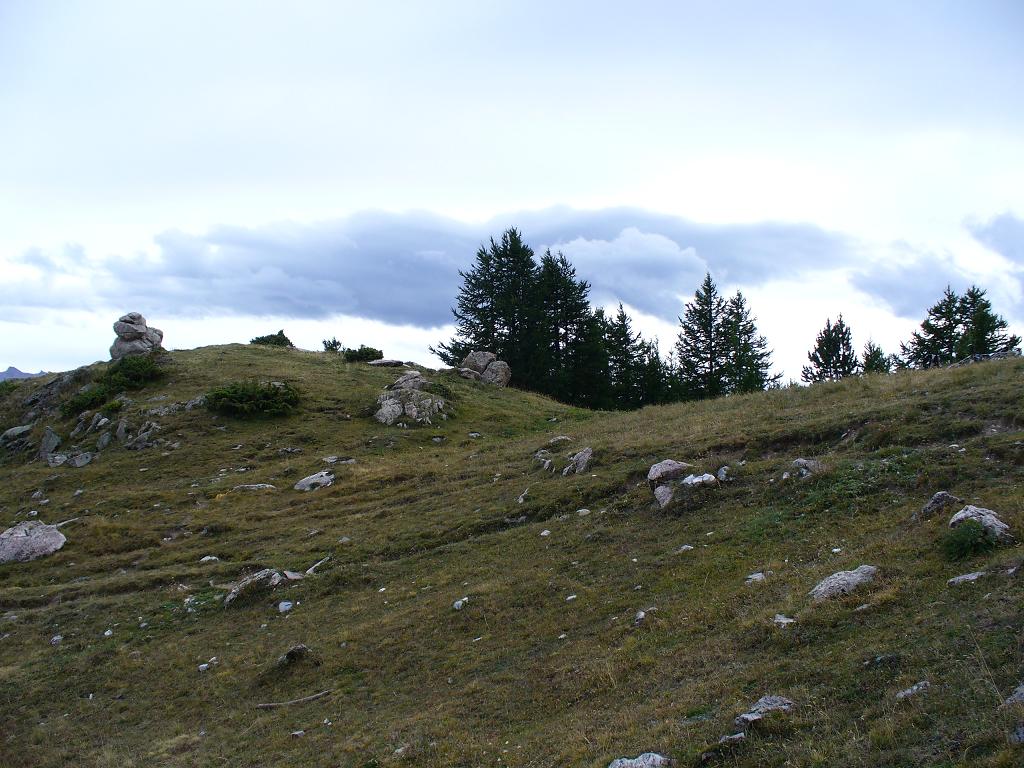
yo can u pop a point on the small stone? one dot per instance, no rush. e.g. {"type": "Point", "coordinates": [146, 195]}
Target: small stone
{"type": "Point", "coordinates": [56, 639]}
{"type": "Point", "coordinates": [320, 479]}
{"type": "Point", "coordinates": [966, 578]}
{"type": "Point", "coordinates": [294, 654]}
{"type": "Point", "coordinates": [298, 734]}
{"type": "Point", "coordinates": [723, 474]}
{"type": "Point", "coordinates": [666, 470]}
{"type": "Point", "coordinates": [203, 667]}
{"type": "Point", "coordinates": [762, 707]}
{"type": "Point", "coordinates": [843, 582]}
{"type": "Point", "coordinates": [284, 606]}
{"type": "Point", "coordinates": [582, 512]}
{"type": "Point", "coordinates": [663, 495]}
{"type": "Point", "coordinates": [570, 598]}
{"type": "Point", "coordinates": [209, 559]}
{"type": "Point", "coordinates": [698, 481]}
{"type": "Point", "coordinates": [474, 435]}
{"type": "Point", "coordinates": [459, 604]}
{"type": "Point", "coordinates": [914, 690]}
{"type": "Point", "coordinates": [267, 578]}
{"type": "Point", "coordinates": [733, 738]}
{"type": "Point", "coordinates": [756, 577]}
{"type": "Point", "coordinates": [782, 621]}
{"type": "Point", "coordinates": [937, 503]}
{"type": "Point", "coordinates": [255, 487]}
{"type": "Point", "coordinates": [808, 466]}
{"type": "Point", "coordinates": [646, 760]}
{"type": "Point", "coordinates": [108, 633]}
{"type": "Point", "coordinates": [684, 548]}
{"type": "Point", "coordinates": [545, 532]}
{"type": "Point", "coordinates": [578, 462]}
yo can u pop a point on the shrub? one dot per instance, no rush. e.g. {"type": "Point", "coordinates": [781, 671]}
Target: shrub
{"type": "Point", "coordinates": [363, 354]}
{"type": "Point", "coordinates": [7, 386]}
{"type": "Point", "coordinates": [966, 540]}
{"type": "Point", "coordinates": [332, 345]}
{"type": "Point", "coordinates": [128, 373]}
{"type": "Point", "coordinates": [253, 399]}
{"type": "Point", "coordinates": [273, 340]}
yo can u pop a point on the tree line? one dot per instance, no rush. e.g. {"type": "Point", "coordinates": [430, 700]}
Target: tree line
{"type": "Point", "coordinates": [537, 317]}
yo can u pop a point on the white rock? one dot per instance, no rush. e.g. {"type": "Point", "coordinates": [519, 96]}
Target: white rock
{"type": "Point", "coordinates": [320, 479]}
{"type": "Point", "coordinates": [257, 487]}
{"type": "Point", "coordinates": [762, 707]}
{"type": "Point", "coordinates": [808, 466]}
{"type": "Point", "coordinates": [646, 760]}
{"type": "Point", "coordinates": [284, 606]}
{"type": "Point", "coordinates": [756, 577]}
{"type": "Point", "coordinates": [56, 639]}
{"type": "Point", "coordinates": [696, 481]}
{"type": "Point", "coordinates": [914, 690]}
{"type": "Point", "coordinates": [578, 462]}
{"type": "Point", "coordinates": [570, 598]}
{"type": "Point", "coordinates": [684, 548]}
{"type": "Point", "coordinates": [268, 578]}
{"type": "Point", "coordinates": [209, 559]}
{"type": "Point", "coordinates": [783, 621]}
{"type": "Point", "coordinates": [545, 532]}
{"type": "Point", "coordinates": [1017, 697]}
{"type": "Point", "coordinates": [988, 520]}
{"type": "Point", "coordinates": [108, 633]}
{"type": "Point", "coordinates": [663, 495]}
{"type": "Point", "coordinates": [843, 582]}
{"type": "Point", "coordinates": [459, 604]}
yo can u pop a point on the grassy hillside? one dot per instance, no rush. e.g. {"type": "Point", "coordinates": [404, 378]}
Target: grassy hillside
{"type": "Point", "coordinates": [522, 675]}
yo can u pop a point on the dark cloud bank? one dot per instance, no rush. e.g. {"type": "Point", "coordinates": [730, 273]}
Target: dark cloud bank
{"type": "Point", "coordinates": [403, 268]}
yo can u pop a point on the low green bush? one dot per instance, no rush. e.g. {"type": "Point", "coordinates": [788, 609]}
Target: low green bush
{"type": "Point", "coordinates": [332, 345]}
{"type": "Point", "coordinates": [363, 354]}
{"type": "Point", "coordinates": [7, 386]}
{"type": "Point", "coordinates": [273, 340]}
{"type": "Point", "coordinates": [253, 399]}
{"type": "Point", "coordinates": [128, 373]}
{"type": "Point", "coordinates": [966, 540]}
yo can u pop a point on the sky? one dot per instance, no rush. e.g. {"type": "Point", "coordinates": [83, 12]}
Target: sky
{"type": "Point", "coordinates": [234, 168]}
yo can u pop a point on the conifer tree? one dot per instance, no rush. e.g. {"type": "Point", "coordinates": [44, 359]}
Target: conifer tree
{"type": "Point", "coordinates": [874, 360]}
{"type": "Point", "coordinates": [937, 341]}
{"type": "Point", "coordinates": [746, 354]}
{"type": "Point", "coordinates": [655, 375]}
{"type": "Point", "coordinates": [983, 331]}
{"type": "Point", "coordinates": [587, 365]}
{"type": "Point", "coordinates": [563, 313]}
{"type": "Point", "coordinates": [833, 357]}
{"type": "Point", "coordinates": [699, 348]}
{"type": "Point", "coordinates": [625, 361]}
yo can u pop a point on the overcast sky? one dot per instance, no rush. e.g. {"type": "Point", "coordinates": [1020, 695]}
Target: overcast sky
{"type": "Point", "coordinates": [232, 168]}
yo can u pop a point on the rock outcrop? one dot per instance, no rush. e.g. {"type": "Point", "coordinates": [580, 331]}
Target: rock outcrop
{"type": "Point", "coordinates": [321, 479]}
{"type": "Point", "coordinates": [134, 337]}
{"type": "Point", "coordinates": [487, 368]}
{"type": "Point", "coordinates": [843, 582]}
{"type": "Point", "coordinates": [260, 581]}
{"type": "Point", "coordinates": [666, 470]}
{"type": "Point", "coordinates": [406, 402]}
{"type": "Point", "coordinates": [937, 503]}
{"type": "Point", "coordinates": [762, 707]}
{"type": "Point", "coordinates": [646, 760]}
{"type": "Point", "coordinates": [28, 540]}
{"type": "Point", "coordinates": [578, 462]}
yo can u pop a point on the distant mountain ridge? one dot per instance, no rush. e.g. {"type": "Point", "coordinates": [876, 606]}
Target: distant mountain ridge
{"type": "Point", "coordinates": [14, 373]}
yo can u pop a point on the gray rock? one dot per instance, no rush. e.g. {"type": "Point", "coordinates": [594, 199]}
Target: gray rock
{"type": "Point", "coordinates": [666, 470]}
{"type": "Point", "coordinates": [478, 361]}
{"type": "Point", "coordinates": [1016, 736]}
{"type": "Point", "coordinates": [1017, 697]}
{"type": "Point", "coordinates": [385, 363]}
{"type": "Point", "coordinates": [914, 690]}
{"type": "Point", "coordinates": [54, 460]}
{"type": "Point", "coordinates": [15, 432]}
{"type": "Point", "coordinates": [260, 581]}
{"type": "Point", "coordinates": [733, 738]}
{"type": "Point", "coordinates": [79, 460]}
{"type": "Point", "coordinates": [663, 494]}
{"type": "Point", "coordinates": [103, 441]}
{"type": "Point", "coordinates": [782, 620]}
{"type": "Point", "coordinates": [843, 582]}
{"type": "Point", "coordinates": [808, 466]}
{"type": "Point", "coordinates": [578, 462]}
{"type": "Point", "coordinates": [295, 654]}
{"type": "Point", "coordinates": [966, 578]}
{"type": "Point", "coordinates": [321, 479]}
{"type": "Point", "coordinates": [497, 373]}
{"type": "Point", "coordinates": [122, 431]}
{"type": "Point", "coordinates": [469, 373]}
{"type": "Point", "coordinates": [559, 439]}
{"type": "Point", "coordinates": [937, 503]}
{"type": "Point", "coordinates": [723, 474]}
{"type": "Point", "coordinates": [134, 337]}
{"type": "Point", "coordinates": [261, 486]}
{"type": "Point", "coordinates": [28, 540]}
{"type": "Point", "coordinates": [988, 520]}
{"type": "Point", "coordinates": [410, 380]}
{"type": "Point", "coordinates": [762, 707]}
{"type": "Point", "coordinates": [646, 760]}
{"type": "Point", "coordinates": [404, 406]}
{"type": "Point", "coordinates": [51, 441]}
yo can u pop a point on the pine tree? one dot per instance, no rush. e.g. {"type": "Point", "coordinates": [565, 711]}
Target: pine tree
{"type": "Point", "coordinates": [937, 341]}
{"type": "Point", "coordinates": [699, 347]}
{"type": "Point", "coordinates": [496, 309]}
{"type": "Point", "coordinates": [587, 365]}
{"type": "Point", "coordinates": [747, 357]}
{"type": "Point", "coordinates": [655, 375]}
{"type": "Point", "coordinates": [625, 360]}
{"type": "Point", "coordinates": [563, 315]}
{"type": "Point", "coordinates": [833, 357]}
{"type": "Point", "coordinates": [983, 331]}
{"type": "Point", "coordinates": [874, 360]}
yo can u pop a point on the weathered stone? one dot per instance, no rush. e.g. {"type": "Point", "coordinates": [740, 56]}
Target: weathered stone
{"type": "Point", "coordinates": [986, 518]}
{"type": "Point", "coordinates": [134, 337]}
{"type": "Point", "coordinates": [103, 441]}
{"type": "Point", "coordinates": [54, 460]}
{"type": "Point", "coordinates": [469, 373]}
{"type": "Point", "coordinates": [762, 707]}
{"type": "Point", "coordinates": [321, 479]}
{"type": "Point", "coordinates": [51, 441]}
{"type": "Point", "coordinates": [937, 503]}
{"type": "Point", "coordinates": [697, 481]}
{"type": "Point", "coordinates": [497, 373]}
{"type": "Point", "coordinates": [966, 578]}
{"type": "Point", "coordinates": [28, 540]}
{"type": "Point", "coordinates": [266, 579]}
{"type": "Point", "coordinates": [914, 690]}
{"type": "Point", "coordinates": [122, 431]}
{"type": "Point", "coordinates": [15, 432]}
{"type": "Point", "coordinates": [723, 474]}
{"type": "Point", "coordinates": [478, 361]}
{"type": "Point", "coordinates": [410, 380]}
{"type": "Point", "coordinates": [385, 363]}
{"type": "Point", "coordinates": [79, 460]}
{"type": "Point", "coordinates": [578, 462]}
{"type": "Point", "coordinates": [646, 760]}
{"type": "Point", "coordinates": [258, 486]}
{"type": "Point", "coordinates": [663, 494]}
{"type": "Point", "coordinates": [408, 405]}
{"type": "Point", "coordinates": [843, 582]}
{"type": "Point", "coordinates": [808, 467]}
{"type": "Point", "coordinates": [1017, 697]}
{"type": "Point", "coordinates": [666, 470]}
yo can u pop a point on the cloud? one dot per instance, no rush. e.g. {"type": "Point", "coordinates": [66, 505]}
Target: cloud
{"type": "Point", "coordinates": [402, 268]}
{"type": "Point", "coordinates": [1003, 234]}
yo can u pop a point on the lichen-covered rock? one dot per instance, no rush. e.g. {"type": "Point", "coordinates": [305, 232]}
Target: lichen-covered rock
{"type": "Point", "coordinates": [646, 760]}
{"type": "Point", "coordinates": [966, 578]}
{"type": "Point", "coordinates": [385, 363]}
{"type": "Point", "coordinates": [404, 406]}
{"type": "Point", "coordinates": [260, 581]}
{"type": "Point", "coordinates": [469, 373]}
{"type": "Point", "coordinates": [478, 361]}
{"type": "Point", "coordinates": [663, 495]}
{"type": "Point", "coordinates": [666, 470]}
{"type": "Point", "coordinates": [28, 540]}
{"type": "Point", "coordinates": [843, 582]}
{"type": "Point", "coordinates": [321, 479]}
{"type": "Point", "coordinates": [51, 441]}
{"type": "Point", "coordinates": [807, 467]}
{"type": "Point", "coordinates": [134, 337]}
{"type": "Point", "coordinates": [986, 518]}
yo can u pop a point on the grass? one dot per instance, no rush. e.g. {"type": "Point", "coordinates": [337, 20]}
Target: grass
{"type": "Point", "coordinates": [415, 524]}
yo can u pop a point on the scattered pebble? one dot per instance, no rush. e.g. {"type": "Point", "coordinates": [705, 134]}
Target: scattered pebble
{"type": "Point", "coordinates": [56, 639]}
{"type": "Point", "coordinates": [914, 690]}
{"type": "Point", "coordinates": [783, 621]}
{"type": "Point", "coordinates": [284, 606]}
{"type": "Point", "coordinates": [459, 604]}
{"type": "Point", "coordinates": [545, 532]}
{"type": "Point", "coordinates": [570, 598]}
{"type": "Point", "coordinates": [108, 633]}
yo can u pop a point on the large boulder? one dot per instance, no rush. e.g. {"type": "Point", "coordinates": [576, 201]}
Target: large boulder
{"type": "Point", "coordinates": [405, 402]}
{"type": "Point", "coordinates": [843, 582]}
{"type": "Point", "coordinates": [578, 462]}
{"type": "Point", "coordinates": [134, 337]}
{"type": "Point", "coordinates": [321, 479]}
{"type": "Point", "coordinates": [666, 470]}
{"type": "Point", "coordinates": [478, 361]}
{"type": "Point", "coordinates": [486, 367]}
{"type": "Point", "coordinates": [497, 373]}
{"type": "Point", "coordinates": [28, 540]}
{"type": "Point", "coordinates": [986, 518]}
